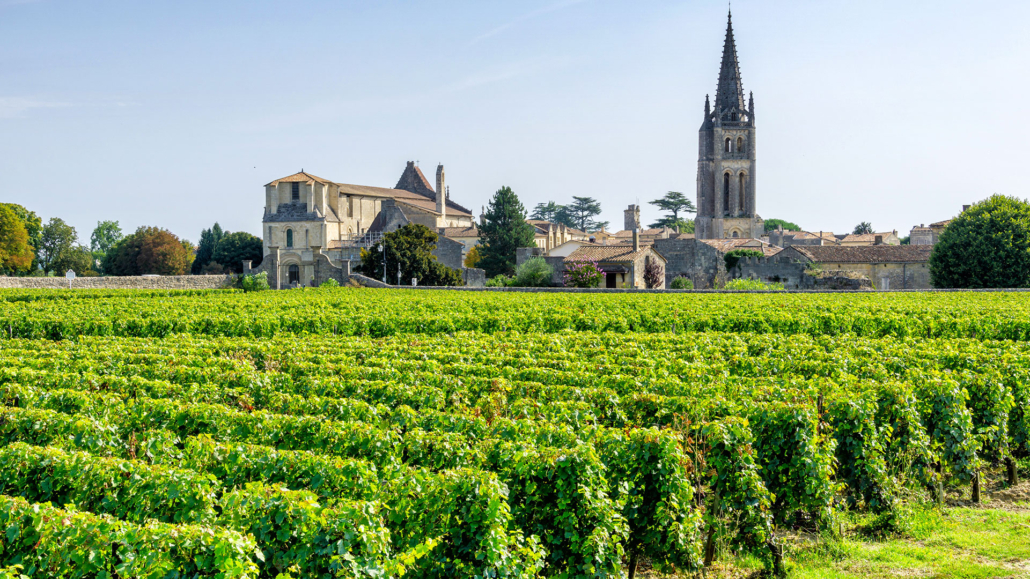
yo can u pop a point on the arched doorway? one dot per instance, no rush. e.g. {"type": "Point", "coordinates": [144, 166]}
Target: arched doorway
{"type": "Point", "coordinates": [293, 274]}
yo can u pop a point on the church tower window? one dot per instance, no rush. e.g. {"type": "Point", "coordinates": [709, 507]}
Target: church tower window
{"type": "Point", "coordinates": [289, 238]}
{"type": "Point", "coordinates": [295, 191]}
{"type": "Point", "coordinates": [725, 192]}
{"type": "Point", "coordinates": [729, 145]}
{"type": "Point", "coordinates": [742, 199]}
{"type": "Point", "coordinates": [740, 144]}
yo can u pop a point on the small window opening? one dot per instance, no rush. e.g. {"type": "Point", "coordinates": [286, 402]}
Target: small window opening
{"type": "Point", "coordinates": [729, 145]}
{"type": "Point", "coordinates": [295, 191]}
{"type": "Point", "coordinates": [742, 198]}
{"type": "Point", "coordinates": [289, 238]}
{"type": "Point", "coordinates": [740, 144]}
{"type": "Point", "coordinates": [725, 192]}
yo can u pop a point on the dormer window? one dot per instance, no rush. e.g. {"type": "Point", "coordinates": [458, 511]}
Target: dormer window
{"type": "Point", "coordinates": [295, 191]}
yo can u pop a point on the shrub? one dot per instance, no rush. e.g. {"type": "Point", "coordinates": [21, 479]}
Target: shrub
{"type": "Point", "coordinates": [535, 272]}
{"type": "Point", "coordinates": [654, 274]}
{"type": "Point", "coordinates": [255, 283]}
{"type": "Point", "coordinates": [751, 285]}
{"type": "Point", "coordinates": [330, 283]}
{"type": "Point", "coordinates": [682, 283]}
{"type": "Point", "coordinates": [583, 274]}
{"type": "Point", "coordinates": [499, 281]}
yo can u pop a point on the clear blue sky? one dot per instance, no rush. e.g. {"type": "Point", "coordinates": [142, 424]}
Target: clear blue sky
{"type": "Point", "coordinates": [176, 113]}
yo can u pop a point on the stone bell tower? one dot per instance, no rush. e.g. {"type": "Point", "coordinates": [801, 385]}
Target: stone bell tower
{"type": "Point", "coordinates": [726, 206]}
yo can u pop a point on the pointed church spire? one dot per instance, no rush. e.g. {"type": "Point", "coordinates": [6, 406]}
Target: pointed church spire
{"type": "Point", "coordinates": [708, 107]}
{"type": "Point", "coordinates": [731, 91]}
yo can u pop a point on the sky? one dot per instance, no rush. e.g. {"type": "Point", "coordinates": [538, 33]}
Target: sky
{"type": "Point", "coordinates": [177, 113]}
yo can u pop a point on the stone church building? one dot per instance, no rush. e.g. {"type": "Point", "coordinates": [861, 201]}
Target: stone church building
{"type": "Point", "coordinates": [309, 219]}
{"type": "Point", "coordinates": [726, 174]}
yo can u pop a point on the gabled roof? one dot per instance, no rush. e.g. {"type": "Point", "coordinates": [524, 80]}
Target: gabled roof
{"type": "Point", "coordinates": [866, 253]}
{"type": "Point", "coordinates": [301, 177]}
{"type": "Point", "coordinates": [940, 224]}
{"type": "Point", "coordinates": [414, 181]}
{"type": "Point", "coordinates": [728, 245]}
{"type": "Point", "coordinates": [610, 253]}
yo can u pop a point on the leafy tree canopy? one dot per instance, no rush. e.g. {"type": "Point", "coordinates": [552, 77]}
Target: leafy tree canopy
{"type": "Point", "coordinates": [581, 212]}
{"type": "Point", "coordinates": [863, 228]}
{"type": "Point", "coordinates": [56, 238]}
{"type": "Point", "coordinates": [77, 258]}
{"type": "Point", "coordinates": [33, 227]}
{"type": "Point", "coordinates": [673, 203]}
{"type": "Point", "coordinates": [684, 225]}
{"type": "Point", "coordinates": [774, 224]}
{"type": "Point", "coordinates": [987, 246]}
{"type": "Point", "coordinates": [105, 235]}
{"type": "Point", "coordinates": [549, 211]}
{"type": "Point", "coordinates": [409, 249]}
{"type": "Point", "coordinates": [16, 256]}
{"type": "Point", "coordinates": [236, 247]}
{"type": "Point", "coordinates": [149, 250]}
{"type": "Point", "coordinates": [503, 231]}
{"type": "Point", "coordinates": [209, 239]}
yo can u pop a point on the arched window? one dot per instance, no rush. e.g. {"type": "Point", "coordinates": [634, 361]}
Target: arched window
{"type": "Point", "coordinates": [729, 145]}
{"type": "Point", "coordinates": [741, 191]}
{"type": "Point", "coordinates": [735, 235]}
{"type": "Point", "coordinates": [725, 192]}
{"type": "Point", "coordinates": [740, 144]}
{"type": "Point", "coordinates": [733, 117]}
{"type": "Point", "coordinates": [289, 238]}
{"type": "Point", "coordinates": [294, 274]}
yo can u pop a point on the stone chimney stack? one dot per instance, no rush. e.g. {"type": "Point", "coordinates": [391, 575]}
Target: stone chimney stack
{"type": "Point", "coordinates": [878, 240]}
{"type": "Point", "coordinates": [964, 207]}
{"type": "Point", "coordinates": [636, 240]}
{"type": "Point", "coordinates": [441, 193]}
{"type": "Point", "coordinates": [632, 218]}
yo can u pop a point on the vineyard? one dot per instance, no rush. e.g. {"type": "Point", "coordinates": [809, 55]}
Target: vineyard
{"type": "Point", "coordinates": [370, 434]}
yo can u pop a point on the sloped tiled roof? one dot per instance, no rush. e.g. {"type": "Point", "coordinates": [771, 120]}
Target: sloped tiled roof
{"type": "Point", "coordinates": [866, 237]}
{"type": "Point", "coordinates": [459, 231]}
{"type": "Point", "coordinates": [609, 253]}
{"type": "Point", "coordinates": [402, 196]}
{"type": "Point", "coordinates": [940, 224]}
{"type": "Point", "coordinates": [301, 177]}
{"type": "Point", "coordinates": [866, 253]}
{"type": "Point", "coordinates": [728, 245]}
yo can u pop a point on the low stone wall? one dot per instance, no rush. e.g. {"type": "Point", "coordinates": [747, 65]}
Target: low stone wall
{"type": "Point", "coordinates": [127, 282]}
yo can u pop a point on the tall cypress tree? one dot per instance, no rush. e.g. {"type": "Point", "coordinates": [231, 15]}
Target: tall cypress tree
{"type": "Point", "coordinates": [504, 230]}
{"type": "Point", "coordinates": [209, 238]}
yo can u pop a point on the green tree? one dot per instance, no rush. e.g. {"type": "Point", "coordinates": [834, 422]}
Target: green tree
{"type": "Point", "coordinates": [209, 239]}
{"type": "Point", "coordinates": [547, 211]}
{"type": "Point", "coordinates": [504, 230]}
{"type": "Point", "coordinates": [56, 237]}
{"type": "Point", "coordinates": [105, 235]}
{"type": "Point", "coordinates": [410, 249]}
{"type": "Point", "coordinates": [581, 212]}
{"type": "Point", "coordinates": [16, 256]}
{"type": "Point", "coordinates": [863, 228]}
{"type": "Point", "coordinates": [986, 246]}
{"type": "Point", "coordinates": [77, 258]}
{"type": "Point", "coordinates": [150, 250]}
{"type": "Point", "coordinates": [773, 224]}
{"type": "Point", "coordinates": [33, 227]}
{"type": "Point", "coordinates": [236, 247]}
{"type": "Point", "coordinates": [672, 203]}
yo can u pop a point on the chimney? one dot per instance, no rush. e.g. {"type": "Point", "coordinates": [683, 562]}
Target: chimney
{"type": "Point", "coordinates": [636, 240]}
{"type": "Point", "coordinates": [482, 215]}
{"type": "Point", "coordinates": [632, 218]}
{"type": "Point", "coordinates": [964, 207]}
{"type": "Point", "coordinates": [878, 240]}
{"type": "Point", "coordinates": [441, 193]}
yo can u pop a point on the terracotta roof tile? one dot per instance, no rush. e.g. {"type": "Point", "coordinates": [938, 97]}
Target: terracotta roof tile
{"type": "Point", "coordinates": [609, 253]}
{"type": "Point", "coordinates": [728, 245]}
{"type": "Point", "coordinates": [866, 253]}
{"type": "Point", "coordinates": [459, 232]}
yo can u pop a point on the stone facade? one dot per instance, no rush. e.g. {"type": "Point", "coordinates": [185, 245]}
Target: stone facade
{"type": "Point", "coordinates": [887, 267]}
{"type": "Point", "coordinates": [127, 282]}
{"type": "Point", "coordinates": [726, 168]}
